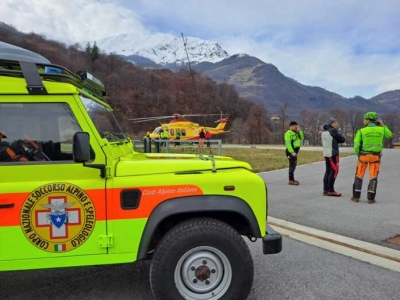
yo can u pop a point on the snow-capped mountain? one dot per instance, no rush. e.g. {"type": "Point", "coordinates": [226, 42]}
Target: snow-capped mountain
{"type": "Point", "coordinates": [163, 49]}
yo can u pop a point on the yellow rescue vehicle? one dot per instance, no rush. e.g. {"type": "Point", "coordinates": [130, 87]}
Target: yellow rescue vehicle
{"type": "Point", "coordinates": [73, 191]}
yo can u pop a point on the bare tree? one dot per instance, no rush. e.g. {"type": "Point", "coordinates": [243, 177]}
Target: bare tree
{"type": "Point", "coordinates": [256, 125]}
{"type": "Point", "coordinates": [275, 131]}
{"type": "Point", "coordinates": [237, 131]}
{"type": "Point", "coordinates": [283, 115]}
{"type": "Point", "coordinates": [313, 128]}
{"type": "Point", "coordinates": [392, 121]}
{"type": "Point", "coordinates": [311, 125]}
{"type": "Point", "coordinates": [355, 121]}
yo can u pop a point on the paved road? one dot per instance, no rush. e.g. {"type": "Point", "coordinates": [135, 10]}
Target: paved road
{"type": "Point", "coordinates": [301, 271]}
{"type": "Point", "coordinates": [305, 205]}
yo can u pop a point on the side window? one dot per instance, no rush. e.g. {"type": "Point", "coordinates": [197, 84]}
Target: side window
{"type": "Point", "coordinates": [36, 132]}
{"type": "Point", "coordinates": [172, 132]}
{"type": "Point", "coordinates": [183, 132]}
{"type": "Point", "coordinates": [104, 120]}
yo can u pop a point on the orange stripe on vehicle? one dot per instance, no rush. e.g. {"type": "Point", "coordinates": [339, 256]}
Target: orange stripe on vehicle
{"type": "Point", "coordinates": [11, 216]}
{"type": "Point", "coordinates": [150, 197]}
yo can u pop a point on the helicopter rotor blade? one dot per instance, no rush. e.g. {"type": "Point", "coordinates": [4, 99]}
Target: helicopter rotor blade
{"type": "Point", "coordinates": [175, 116]}
{"type": "Point", "coordinates": [199, 115]}
{"type": "Point", "coordinates": [142, 121]}
{"type": "Point", "coordinates": [150, 118]}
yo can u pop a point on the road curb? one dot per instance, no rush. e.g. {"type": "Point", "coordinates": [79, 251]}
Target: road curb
{"type": "Point", "coordinates": [374, 254]}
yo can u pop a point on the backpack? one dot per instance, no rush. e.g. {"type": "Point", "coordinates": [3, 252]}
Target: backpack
{"type": "Point", "coordinates": [8, 154]}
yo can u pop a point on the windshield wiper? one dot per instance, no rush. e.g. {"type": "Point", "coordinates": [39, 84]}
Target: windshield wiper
{"type": "Point", "coordinates": [121, 135]}
{"type": "Point", "coordinates": [114, 137]}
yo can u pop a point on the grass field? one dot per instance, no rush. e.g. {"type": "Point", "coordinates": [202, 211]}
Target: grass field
{"type": "Point", "coordinates": [261, 160]}
{"type": "Point", "coordinates": [271, 159]}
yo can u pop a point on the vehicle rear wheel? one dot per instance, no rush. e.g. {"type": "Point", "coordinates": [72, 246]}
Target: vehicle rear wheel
{"type": "Point", "coordinates": [201, 259]}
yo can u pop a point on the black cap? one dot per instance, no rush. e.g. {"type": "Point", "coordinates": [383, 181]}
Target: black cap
{"type": "Point", "coordinates": [330, 122]}
{"type": "Point", "coordinates": [293, 123]}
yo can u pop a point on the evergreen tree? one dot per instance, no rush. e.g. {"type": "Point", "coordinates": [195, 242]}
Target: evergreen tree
{"type": "Point", "coordinates": [88, 49]}
{"type": "Point", "coordinates": [94, 54]}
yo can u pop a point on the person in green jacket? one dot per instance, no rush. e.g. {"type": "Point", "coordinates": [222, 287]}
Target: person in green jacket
{"type": "Point", "coordinates": [293, 138]}
{"type": "Point", "coordinates": [164, 136]}
{"type": "Point", "coordinates": [368, 144]}
{"type": "Point", "coordinates": [177, 137]}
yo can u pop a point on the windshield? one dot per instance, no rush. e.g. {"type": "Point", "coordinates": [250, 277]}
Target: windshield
{"type": "Point", "coordinates": [157, 130]}
{"type": "Point", "coordinates": [103, 119]}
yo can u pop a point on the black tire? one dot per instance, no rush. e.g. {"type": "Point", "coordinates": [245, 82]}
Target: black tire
{"type": "Point", "coordinates": [204, 259]}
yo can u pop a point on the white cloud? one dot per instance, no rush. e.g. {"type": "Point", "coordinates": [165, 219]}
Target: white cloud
{"type": "Point", "coordinates": [348, 47]}
{"type": "Point", "coordinates": [71, 21]}
{"type": "Point", "coordinates": [333, 66]}
{"type": "Point", "coordinates": [304, 20]}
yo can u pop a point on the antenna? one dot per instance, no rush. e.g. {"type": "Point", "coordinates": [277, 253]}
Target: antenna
{"type": "Point", "coordinates": [191, 72]}
{"type": "Point", "coordinates": [190, 67]}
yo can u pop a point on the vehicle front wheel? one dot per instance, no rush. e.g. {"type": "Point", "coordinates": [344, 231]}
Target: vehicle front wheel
{"type": "Point", "coordinates": [201, 259]}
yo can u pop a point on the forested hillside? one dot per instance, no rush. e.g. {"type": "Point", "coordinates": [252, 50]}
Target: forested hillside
{"type": "Point", "coordinates": [137, 92]}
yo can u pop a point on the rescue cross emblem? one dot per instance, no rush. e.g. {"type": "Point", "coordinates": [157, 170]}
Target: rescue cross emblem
{"type": "Point", "coordinates": [58, 217]}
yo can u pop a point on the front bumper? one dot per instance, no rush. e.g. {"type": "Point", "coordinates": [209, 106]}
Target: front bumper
{"type": "Point", "coordinates": [272, 241]}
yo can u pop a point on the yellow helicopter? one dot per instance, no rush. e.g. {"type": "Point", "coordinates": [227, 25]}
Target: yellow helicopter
{"type": "Point", "coordinates": [188, 130]}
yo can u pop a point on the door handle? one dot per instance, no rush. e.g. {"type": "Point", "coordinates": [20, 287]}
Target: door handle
{"type": "Point", "coordinates": [8, 205]}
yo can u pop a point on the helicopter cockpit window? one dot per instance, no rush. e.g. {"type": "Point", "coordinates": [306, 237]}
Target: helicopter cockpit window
{"type": "Point", "coordinates": [157, 131]}
{"type": "Point", "coordinates": [183, 132]}
{"type": "Point", "coordinates": [104, 120]}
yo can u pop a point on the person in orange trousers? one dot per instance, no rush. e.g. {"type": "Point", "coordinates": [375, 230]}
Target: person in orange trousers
{"type": "Point", "coordinates": [368, 144]}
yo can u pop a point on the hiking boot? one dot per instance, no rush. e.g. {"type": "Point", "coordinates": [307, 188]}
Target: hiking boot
{"type": "Point", "coordinates": [370, 201]}
{"type": "Point", "coordinates": [334, 194]}
{"type": "Point", "coordinates": [355, 199]}
{"type": "Point", "coordinates": [293, 182]}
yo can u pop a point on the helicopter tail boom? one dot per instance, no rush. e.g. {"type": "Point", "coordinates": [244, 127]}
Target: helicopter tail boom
{"type": "Point", "coordinates": [222, 124]}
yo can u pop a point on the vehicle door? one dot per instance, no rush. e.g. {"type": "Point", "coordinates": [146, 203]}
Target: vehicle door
{"type": "Point", "coordinates": [50, 206]}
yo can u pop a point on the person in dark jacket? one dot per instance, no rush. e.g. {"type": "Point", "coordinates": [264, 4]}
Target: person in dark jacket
{"type": "Point", "coordinates": [330, 143]}
{"type": "Point", "coordinates": [202, 136]}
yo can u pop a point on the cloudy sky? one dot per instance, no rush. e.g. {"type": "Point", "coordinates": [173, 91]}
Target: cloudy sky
{"type": "Point", "coordinates": [349, 47]}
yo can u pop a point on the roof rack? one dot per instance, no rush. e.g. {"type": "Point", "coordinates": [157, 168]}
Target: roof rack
{"type": "Point", "coordinates": [22, 63]}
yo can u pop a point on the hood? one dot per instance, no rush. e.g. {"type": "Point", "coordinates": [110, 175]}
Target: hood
{"type": "Point", "coordinates": [326, 127]}
{"type": "Point", "coordinates": [162, 163]}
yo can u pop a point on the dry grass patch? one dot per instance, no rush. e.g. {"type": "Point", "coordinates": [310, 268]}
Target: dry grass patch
{"type": "Point", "coordinates": [271, 159]}
{"type": "Point", "coordinates": [261, 160]}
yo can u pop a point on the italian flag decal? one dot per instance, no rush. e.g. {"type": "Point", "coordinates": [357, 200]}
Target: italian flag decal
{"type": "Point", "coordinates": [59, 247]}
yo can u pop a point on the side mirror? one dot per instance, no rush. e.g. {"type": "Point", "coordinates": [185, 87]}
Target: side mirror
{"type": "Point", "coordinates": [81, 147]}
